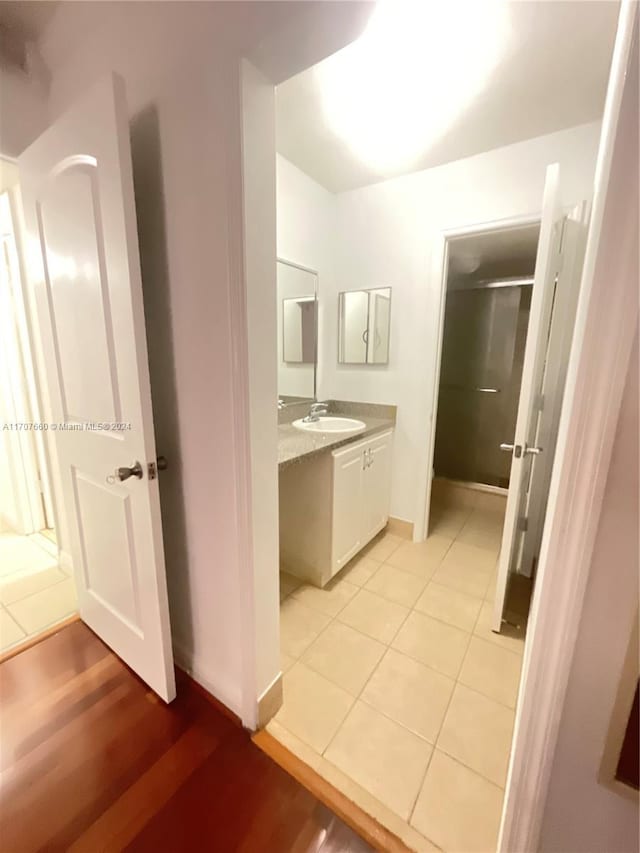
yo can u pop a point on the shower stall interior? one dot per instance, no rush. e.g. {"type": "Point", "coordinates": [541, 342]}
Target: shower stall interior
{"type": "Point", "coordinates": [485, 329]}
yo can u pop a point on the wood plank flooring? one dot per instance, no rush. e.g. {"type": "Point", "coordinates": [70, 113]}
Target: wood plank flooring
{"type": "Point", "coordinates": [92, 761]}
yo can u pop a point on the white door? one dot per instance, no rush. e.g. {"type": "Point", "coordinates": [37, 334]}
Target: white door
{"type": "Point", "coordinates": [522, 445]}
{"type": "Point", "coordinates": [347, 505]}
{"type": "Point", "coordinates": [376, 485]}
{"type": "Point", "coordinates": [84, 267]}
{"type": "Point", "coordinates": [560, 336]}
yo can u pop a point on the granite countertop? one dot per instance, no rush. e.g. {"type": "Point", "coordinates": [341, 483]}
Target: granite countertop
{"type": "Point", "coordinates": [295, 444]}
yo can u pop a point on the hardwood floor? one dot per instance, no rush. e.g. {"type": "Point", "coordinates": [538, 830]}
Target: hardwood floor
{"type": "Point", "coordinates": [92, 761]}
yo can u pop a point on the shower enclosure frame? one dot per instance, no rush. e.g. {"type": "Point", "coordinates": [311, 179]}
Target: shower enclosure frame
{"type": "Point", "coordinates": [440, 274]}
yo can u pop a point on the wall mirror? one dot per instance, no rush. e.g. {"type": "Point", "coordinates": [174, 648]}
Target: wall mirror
{"type": "Point", "coordinates": [297, 289]}
{"type": "Point", "coordinates": [364, 318]}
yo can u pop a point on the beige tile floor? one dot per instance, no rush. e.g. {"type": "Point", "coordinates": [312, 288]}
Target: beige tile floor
{"type": "Point", "coordinates": [395, 688]}
{"type": "Point", "coordinates": [35, 592]}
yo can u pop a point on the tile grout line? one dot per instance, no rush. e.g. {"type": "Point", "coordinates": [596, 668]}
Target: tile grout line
{"type": "Point", "coordinates": [444, 717]}
{"type": "Point", "coordinates": [358, 698]}
{"type": "Point", "coordinates": [374, 670]}
{"type": "Point", "coordinates": [13, 619]}
{"type": "Point", "coordinates": [388, 646]}
{"type": "Point", "coordinates": [8, 604]}
{"type": "Point", "coordinates": [456, 682]}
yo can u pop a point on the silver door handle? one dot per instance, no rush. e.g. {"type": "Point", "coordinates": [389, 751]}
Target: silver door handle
{"type": "Point", "coordinates": [532, 450]}
{"type": "Point", "coordinates": [516, 448]}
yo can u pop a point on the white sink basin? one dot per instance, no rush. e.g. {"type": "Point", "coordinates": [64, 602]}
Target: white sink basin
{"type": "Point", "coordinates": [328, 424]}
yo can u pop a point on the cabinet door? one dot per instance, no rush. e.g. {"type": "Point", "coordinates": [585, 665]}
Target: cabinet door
{"type": "Point", "coordinates": [347, 505]}
{"type": "Point", "coordinates": [376, 485]}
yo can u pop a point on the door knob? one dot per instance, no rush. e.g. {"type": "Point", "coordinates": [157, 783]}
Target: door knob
{"type": "Point", "coordinates": [532, 450]}
{"type": "Point", "coordinates": [162, 463]}
{"type": "Point", "coordinates": [125, 473]}
{"type": "Point", "coordinates": [517, 450]}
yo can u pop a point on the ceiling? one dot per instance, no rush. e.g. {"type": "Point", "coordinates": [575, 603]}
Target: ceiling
{"type": "Point", "coordinates": [22, 21]}
{"type": "Point", "coordinates": [29, 18]}
{"type": "Point", "coordinates": [552, 75]}
{"type": "Point", "coordinates": [507, 253]}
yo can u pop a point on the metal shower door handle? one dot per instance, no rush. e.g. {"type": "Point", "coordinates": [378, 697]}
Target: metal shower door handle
{"type": "Point", "coordinates": [516, 448]}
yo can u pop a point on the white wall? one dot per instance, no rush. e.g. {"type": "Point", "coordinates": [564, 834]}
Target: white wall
{"type": "Point", "coordinates": [385, 234]}
{"type": "Point", "coordinates": [582, 816]}
{"type": "Point", "coordinates": [306, 236]}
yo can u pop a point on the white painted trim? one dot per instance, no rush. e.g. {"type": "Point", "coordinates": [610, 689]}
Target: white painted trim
{"type": "Point", "coordinates": [46, 544]}
{"type": "Point", "coordinates": [270, 701]}
{"type": "Point", "coordinates": [476, 487]}
{"type": "Point", "coordinates": [606, 321]}
{"type": "Point", "coordinates": [439, 274]}
{"type": "Point", "coordinates": [240, 409]}
{"type": "Point", "coordinates": [40, 400]}
{"type": "Point", "coordinates": [254, 334]}
{"type": "Point", "coordinates": [44, 489]}
{"type": "Point", "coordinates": [18, 382]}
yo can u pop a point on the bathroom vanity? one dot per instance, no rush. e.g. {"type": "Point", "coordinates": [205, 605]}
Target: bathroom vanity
{"type": "Point", "coordinates": [333, 501]}
{"type": "Point", "coordinates": [334, 457]}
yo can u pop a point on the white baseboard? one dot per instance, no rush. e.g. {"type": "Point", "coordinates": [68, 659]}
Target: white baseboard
{"type": "Point", "coordinates": [45, 543]}
{"type": "Point", "coordinates": [270, 701]}
{"type": "Point", "coordinates": [474, 487]}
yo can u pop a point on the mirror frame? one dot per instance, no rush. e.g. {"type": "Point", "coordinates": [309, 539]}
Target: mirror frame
{"type": "Point", "coordinates": [364, 290]}
{"type": "Point", "coordinates": [314, 273]}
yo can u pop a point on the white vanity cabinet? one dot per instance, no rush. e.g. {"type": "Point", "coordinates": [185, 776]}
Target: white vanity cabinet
{"type": "Point", "coordinates": [361, 487]}
{"type": "Point", "coordinates": [332, 504]}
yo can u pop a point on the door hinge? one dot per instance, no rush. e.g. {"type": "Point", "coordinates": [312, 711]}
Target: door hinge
{"type": "Point", "coordinates": [523, 524]}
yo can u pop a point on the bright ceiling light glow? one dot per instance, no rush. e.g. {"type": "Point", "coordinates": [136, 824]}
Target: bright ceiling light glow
{"type": "Point", "coordinates": [391, 94]}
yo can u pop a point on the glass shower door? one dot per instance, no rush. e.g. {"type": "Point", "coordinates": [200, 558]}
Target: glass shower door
{"type": "Point", "coordinates": [483, 346]}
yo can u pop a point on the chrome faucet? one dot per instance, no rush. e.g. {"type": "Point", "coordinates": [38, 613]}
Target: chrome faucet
{"type": "Point", "coordinates": [315, 411]}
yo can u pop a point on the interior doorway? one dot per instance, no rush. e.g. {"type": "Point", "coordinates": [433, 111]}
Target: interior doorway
{"type": "Point", "coordinates": [487, 301]}
{"type": "Point", "coordinates": [487, 304]}
{"type": "Point", "coordinates": [35, 591]}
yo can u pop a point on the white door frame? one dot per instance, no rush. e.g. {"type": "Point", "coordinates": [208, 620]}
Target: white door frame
{"type": "Point", "coordinates": [43, 500]}
{"type": "Point", "coordinates": [439, 274]}
{"type": "Point", "coordinates": [606, 322]}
